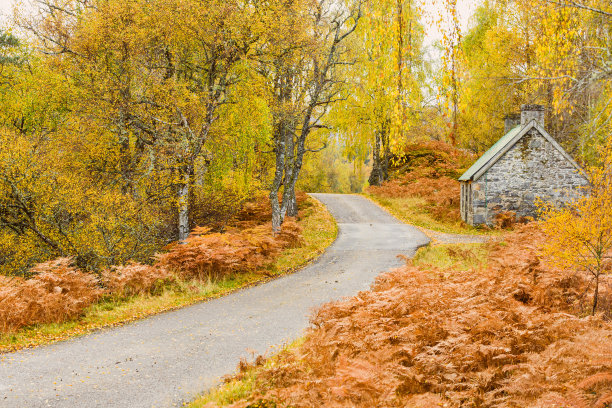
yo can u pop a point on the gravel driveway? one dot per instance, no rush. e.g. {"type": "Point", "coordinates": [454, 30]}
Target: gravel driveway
{"type": "Point", "coordinates": [167, 359]}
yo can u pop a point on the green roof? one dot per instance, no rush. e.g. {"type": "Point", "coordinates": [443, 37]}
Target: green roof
{"type": "Point", "coordinates": [490, 154]}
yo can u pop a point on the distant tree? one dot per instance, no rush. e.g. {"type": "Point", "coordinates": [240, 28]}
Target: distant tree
{"type": "Point", "coordinates": [385, 98]}
{"type": "Point", "coordinates": [8, 46]}
{"type": "Point", "coordinates": [571, 69]}
{"type": "Point", "coordinates": [451, 66]}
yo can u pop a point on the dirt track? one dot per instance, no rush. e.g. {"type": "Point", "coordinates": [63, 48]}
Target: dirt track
{"type": "Point", "coordinates": [165, 360]}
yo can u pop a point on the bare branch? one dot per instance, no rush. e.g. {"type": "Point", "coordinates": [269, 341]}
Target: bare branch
{"type": "Point", "coordinates": [575, 4]}
{"type": "Point", "coordinates": [316, 150]}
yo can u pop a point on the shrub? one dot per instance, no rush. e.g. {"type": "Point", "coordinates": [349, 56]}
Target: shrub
{"type": "Point", "coordinates": [502, 335]}
{"type": "Point", "coordinates": [431, 159]}
{"type": "Point", "coordinates": [259, 212]}
{"type": "Point", "coordinates": [509, 220]}
{"type": "Point", "coordinates": [134, 279]}
{"type": "Point", "coordinates": [57, 292]}
{"type": "Point", "coordinates": [290, 235]}
{"type": "Point", "coordinates": [210, 256]}
{"type": "Point", "coordinates": [224, 212]}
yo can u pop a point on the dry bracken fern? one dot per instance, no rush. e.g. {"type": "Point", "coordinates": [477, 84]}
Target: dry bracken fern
{"type": "Point", "coordinates": [508, 335]}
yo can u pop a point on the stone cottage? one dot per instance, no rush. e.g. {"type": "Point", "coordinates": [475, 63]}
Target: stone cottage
{"type": "Point", "coordinates": [525, 164]}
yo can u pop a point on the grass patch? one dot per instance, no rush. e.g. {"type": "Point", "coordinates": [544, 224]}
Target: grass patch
{"type": "Point", "coordinates": [319, 232]}
{"type": "Point", "coordinates": [411, 211]}
{"type": "Point", "coordinates": [243, 384]}
{"type": "Point", "coordinates": [461, 257]}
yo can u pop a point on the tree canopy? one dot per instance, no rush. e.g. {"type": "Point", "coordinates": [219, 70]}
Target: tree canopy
{"type": "Point", "coordinates": [126, 124]}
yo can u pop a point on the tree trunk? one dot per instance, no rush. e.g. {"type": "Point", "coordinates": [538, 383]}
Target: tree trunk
{"type": "Point", "coordinates": [280, 150]}
{"type": "Point", "coordinates": [183, 206]}
{"type": "Point", "coordinates": [292, 207]}
{"type": "Point", "coordinates": [376, 174]}
{"type": "Point", "coordinates": [289, 205]}
{"type": "Point", "coordinates": [386, 147]}
{"type": "Point", "coordinates": [596, 294]}
{"type": "Point", "coordinates": [289, 198]}
{"type": "Point", "coordinates": [380, 158]}
{"type": "Point", "coordinates": [400, 63]}
{"type": "Point", "coordinates": [277, 218]}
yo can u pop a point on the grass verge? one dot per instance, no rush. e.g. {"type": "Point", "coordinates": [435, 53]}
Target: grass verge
{"type": "Point", "coordinates": [244, 384]}
{"type": "Point", "coordinates": [461, 257]}
{"type": "Point", "coordinates": [319, 231]}
{"type": "Point", "coordinates": [411, 211]}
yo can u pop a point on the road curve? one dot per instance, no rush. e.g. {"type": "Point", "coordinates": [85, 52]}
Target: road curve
{"type": "Point", "coordinates": [167, 359]}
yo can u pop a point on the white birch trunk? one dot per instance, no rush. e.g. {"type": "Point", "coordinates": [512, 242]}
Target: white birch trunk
{"type": "Point", "coordinates": [183, 216]}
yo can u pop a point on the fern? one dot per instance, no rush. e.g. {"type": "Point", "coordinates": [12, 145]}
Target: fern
{"type": "Point", "coordinates": [505, 335]}
{"type": "Point", "coordinates": [57, 292]}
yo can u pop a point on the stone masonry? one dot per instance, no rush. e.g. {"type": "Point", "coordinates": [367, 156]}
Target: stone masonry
{"type": "Point", "coordinates": [532, 168]}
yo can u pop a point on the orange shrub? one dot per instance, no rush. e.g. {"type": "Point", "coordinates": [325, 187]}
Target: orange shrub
{"type": "Point", "coordinates": [135, 278]}
{"type": "Point", "coordinates": [508, 220]}
{"type": "Point", "coordinates": [259, 212]}
{"type": "Point", "coordinates": [290, 235]}
{"type": "Point", "coordinates": [431, 159]}
{"type": "Point", "coordinates": [209, 256]}
{"type": "Point", "coordinates": [502, 336]}
{"type": "Point", "coordinates": [57, 292]}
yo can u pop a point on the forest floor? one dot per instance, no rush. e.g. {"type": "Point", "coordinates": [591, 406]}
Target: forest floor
{"type": "Point", "coordinates": [169, 358]}
{"type": "Point", "coordinates": [319, 231]}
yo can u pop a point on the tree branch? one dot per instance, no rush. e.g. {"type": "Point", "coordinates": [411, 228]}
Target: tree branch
{"type": "Point", "coordinates": [575, 4]}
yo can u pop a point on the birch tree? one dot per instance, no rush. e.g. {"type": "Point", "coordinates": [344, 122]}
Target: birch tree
{"type": "Point", "coordinates": [154, 75]}
{"type": "Point", "coordinates": [305, 81]}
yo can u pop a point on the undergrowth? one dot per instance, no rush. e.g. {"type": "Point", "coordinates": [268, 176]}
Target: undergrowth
{"type": "Point", "coordinates": [423, 189]}
{"type": "Point", "coordinates": [57, 292]}
{"type": "Point", "coordinates": [461, 326]}
{"type": "Point", "coordinates": [60, 302]}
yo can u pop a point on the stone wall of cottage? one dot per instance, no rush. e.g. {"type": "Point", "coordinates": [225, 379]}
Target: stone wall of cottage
{"type": "Point", "coordinates": [533, 168]}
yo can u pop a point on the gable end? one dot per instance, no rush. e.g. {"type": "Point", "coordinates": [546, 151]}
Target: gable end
{"type": "Point", "coordinates": [532, 125]}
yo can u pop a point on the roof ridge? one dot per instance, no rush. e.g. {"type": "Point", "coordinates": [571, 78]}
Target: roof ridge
{"type": "Point", "coordinates": [490, 154]}
{"type": "Point", "coordinates": [505, 143]}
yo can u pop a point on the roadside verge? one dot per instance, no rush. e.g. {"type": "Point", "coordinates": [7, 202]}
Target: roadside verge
{"type": "Point", "coordinates": [319, 232]}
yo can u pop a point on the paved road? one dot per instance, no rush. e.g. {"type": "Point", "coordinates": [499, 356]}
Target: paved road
{"type": "Point", "coordinates": [167, 359]}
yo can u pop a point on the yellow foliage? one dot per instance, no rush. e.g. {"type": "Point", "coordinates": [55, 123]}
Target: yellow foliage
{"type": "Point", "coordinates": [580, 235]}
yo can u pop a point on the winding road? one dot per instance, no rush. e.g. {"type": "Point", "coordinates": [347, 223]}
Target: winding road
{"type": "Point", "coordinates": [168, 359]}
